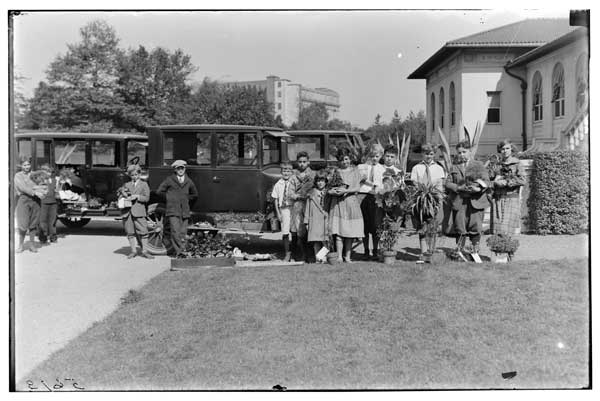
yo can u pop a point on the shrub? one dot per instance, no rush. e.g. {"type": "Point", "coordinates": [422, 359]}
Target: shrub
{"type": "Point", "coordinates": [500, 243]}
{"type": "Point", "coordinates": [200, 245]}
{"type": "Point", "coordinates": [559, 193]}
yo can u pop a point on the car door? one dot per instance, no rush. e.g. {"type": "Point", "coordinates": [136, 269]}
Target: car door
{"type": "Point", "coordinates": [234, 184]}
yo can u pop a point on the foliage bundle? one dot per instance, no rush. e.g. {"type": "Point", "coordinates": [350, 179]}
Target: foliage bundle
{"type": "Point", "coordinates": [502, 243]}
{"type": "Point", "coordinates": [426, 201]}
{"type": "Point", "coordinates": [559, 193]}
{"type": "Point", "coordinates": [199, 245]}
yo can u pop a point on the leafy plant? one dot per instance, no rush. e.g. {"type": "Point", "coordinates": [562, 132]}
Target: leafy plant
{"type": "Point", "coordinates": [426, 201]}
{"type": "Point", "coordinates": [388, 233]}
{"type": "Point", "coordinates": [392, 192]}
{"type": "Point", "coordinates": [502, 243]}
{"type": "Point", "coordinates": [199, 245]}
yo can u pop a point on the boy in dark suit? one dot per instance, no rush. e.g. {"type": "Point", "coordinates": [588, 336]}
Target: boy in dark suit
{"type": "Point", "coordinates": [466, 186]}
{"type": "Point", "coordinates": [180, 192]}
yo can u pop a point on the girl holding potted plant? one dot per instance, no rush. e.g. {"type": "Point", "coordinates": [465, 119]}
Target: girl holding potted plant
{"type": "Point", "coordinates": [427, 213]}
{"type": "Point", "coordinates": [507, 178]}
{"type": "Point", "coordinates": [345, 217]}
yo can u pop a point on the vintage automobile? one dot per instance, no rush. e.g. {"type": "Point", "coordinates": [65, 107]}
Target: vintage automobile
{"type": "Point", "coordinates": [232, 166]}
{"type": "Point", "coordinates": [98, 162]}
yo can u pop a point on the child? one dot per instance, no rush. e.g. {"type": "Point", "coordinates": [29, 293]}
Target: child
{"type": "Point", "coordinates": [301, 182]}
{"type": "Point", "coordinates": [48, 207]}
{"type": "Point", "coordinates": [390, 158]}
{"type": "Point", "coordinates": [467, 184]}
{"type": "Point", "coordinates": [371, 180]}
{"type": "Point", "coordinates": [282, 195]}
{"type": "Point", "coordinates": [315, 214]}
{"type": "Point", "coordinates": [180, 192]}
{"type": "Point", "coordinates": [134, 217]}
{"type": "Point", "coordinates": [345, 217]}
{"type": "Point", "coordinates": [28, 205]}
{"type": "Point", "coordinates": [427, 172]}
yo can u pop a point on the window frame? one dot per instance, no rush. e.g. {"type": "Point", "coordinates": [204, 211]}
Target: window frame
{"type": "Point", "coordinates": [452, 101]}
{"type": "Point", "coordinates": [537, 94]}
{"type": "Point", "coordinates": [258, 149]}
{"type": "Point", "coordinates": [499, 108]}
{"type": "Point", "coordinates": [433, 120]}
{"type": "Point", "coordinates": [116, 154]}
{"type": "Point", "coordinates": [442, 107]}
{"type": "Point", "coordinates": [558, 91]}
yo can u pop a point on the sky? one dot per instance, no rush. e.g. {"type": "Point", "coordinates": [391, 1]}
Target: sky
{"type": "Point", "coordinates": [363, 55]}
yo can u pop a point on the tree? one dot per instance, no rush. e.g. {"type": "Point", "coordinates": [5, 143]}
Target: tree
{"type": "Point", "coordinates": [314, 116]}
{"type": "Point", "coordinates": [82, 84]}
{"type": "Point", "coordinates": [214, 103]}
{"type": "Point", "coordinates": [154, 87]}
{"type": "Point", "coordinates": [416, 125]}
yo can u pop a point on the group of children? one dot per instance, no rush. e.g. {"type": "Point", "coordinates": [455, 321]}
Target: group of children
{"type": "Point", "coordinates": [347, 210]}
{"type": "Point", "coordinates": [314, 207]}
{"type": "Point", "coordinates": [36, 210]}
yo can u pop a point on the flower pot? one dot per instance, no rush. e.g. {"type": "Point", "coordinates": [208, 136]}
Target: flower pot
{"type": "Point", "coordinates": [332, 258]}
{"type": "Point", "coordinates": [500, 258]}
{"type": "Point", "coordinates": [389, 257]}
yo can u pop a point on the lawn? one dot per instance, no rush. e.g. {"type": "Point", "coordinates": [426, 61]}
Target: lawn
{"type": "Point", "coordinates": [352, 326]}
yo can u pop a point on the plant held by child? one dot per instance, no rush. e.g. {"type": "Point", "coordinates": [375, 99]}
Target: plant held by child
{"type": "Point", "coordinates": [388, 233]}
{"type": "Point", "coordinates": [425, 204]}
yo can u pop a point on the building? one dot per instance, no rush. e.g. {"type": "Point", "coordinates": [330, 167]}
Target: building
{"type": "Point", "coordinates": [526, 81]}
{"type": "Point", "coordinates": [288, 98]}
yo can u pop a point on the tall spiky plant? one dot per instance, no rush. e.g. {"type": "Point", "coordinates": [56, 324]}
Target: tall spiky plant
{"type": "Point", "coordinates": [357, 147]}
{"type": "Point", "coordinates": [445, 150]}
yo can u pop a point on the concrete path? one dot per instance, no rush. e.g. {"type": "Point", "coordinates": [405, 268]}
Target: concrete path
{"type": "Point", "coordinates": [66, 287]}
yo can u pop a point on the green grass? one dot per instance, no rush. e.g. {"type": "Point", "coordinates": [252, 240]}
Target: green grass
{"type": "Point", "coordinates": [358, 326]}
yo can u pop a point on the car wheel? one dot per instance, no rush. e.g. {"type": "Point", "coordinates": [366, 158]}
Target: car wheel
{"type": "Point", "coordinates": [72, 223]}
{"type": "Point", "coordinates": [158, 233]}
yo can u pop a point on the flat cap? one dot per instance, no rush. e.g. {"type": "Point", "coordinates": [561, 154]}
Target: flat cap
{"type": "Point", "coordinates": [179, 163]}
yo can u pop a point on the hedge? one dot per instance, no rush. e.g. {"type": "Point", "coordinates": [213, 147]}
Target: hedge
{"type": "Point", "coordinates": [559, 193]}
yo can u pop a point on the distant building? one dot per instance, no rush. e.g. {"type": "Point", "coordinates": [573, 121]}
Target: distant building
{"type": "Point", "coordinates": [526, 81]}
{"type": "Point", "coordinates": [289, 98]}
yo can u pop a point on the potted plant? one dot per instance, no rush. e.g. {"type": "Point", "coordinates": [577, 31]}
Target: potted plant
{"type": "Point", "coordinates": [425, 205]}
{"type": "Point", "coordinates": [388, 234]}
{"type": "Point", "coordinates": [503, 246]}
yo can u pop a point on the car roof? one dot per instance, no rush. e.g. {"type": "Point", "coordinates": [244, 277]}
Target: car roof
{"type": "Point", "coordinates": [214, 127]}
{"type": "Point", "coordinates": [84, 135]}
{"type": "Point", "coordinates": [321, 132]}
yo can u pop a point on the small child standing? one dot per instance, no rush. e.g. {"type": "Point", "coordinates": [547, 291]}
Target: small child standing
{"type": "Point", "coordinates": [390, 158]}
{"type": "Point", "coordinates": [371, 180]}
{"type": "Point", "coordinates": [301, 182]}
{"type": "Point", "coordinates": [282, 192]}
{"type": "Point", "coordinates": [315, 214]}
{"type": "Point", "coordinates": [48, 210]}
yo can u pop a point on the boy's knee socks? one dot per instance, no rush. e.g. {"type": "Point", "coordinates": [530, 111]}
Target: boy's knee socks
{"type": "Point", "coordinates": [286, 243]}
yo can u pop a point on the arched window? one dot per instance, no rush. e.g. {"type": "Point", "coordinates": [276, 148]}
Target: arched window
{"type": "Point", "coordinates": [432, 112]}
{"type": "Point", "coordinates": [558, 90]}
{"type": "Point", "coordinates": [536, 93]}
{"type": "Point", "coordinates": [442, 108]}
{"type": "Point", "coordinates": [452, 101]}
{"type": "Point", "coordinates": [581, 75]}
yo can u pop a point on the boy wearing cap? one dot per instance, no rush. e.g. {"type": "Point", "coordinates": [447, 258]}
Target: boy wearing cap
{"type": "Point", "coordinates": [134, 218]}
{"type": "Point", "coordinates": [180, 192]}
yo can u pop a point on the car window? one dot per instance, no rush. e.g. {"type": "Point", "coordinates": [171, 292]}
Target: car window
{"type": "Point", "coordinates": [271, 146]}
{"type": "Point", "coordinates": [42, 152]}
{"type": "Point", "coordinates": [203, 149]}
{"type": "Point", "coordinates": [335, 142]}
{"type": "Point", "coordinates": [137, 149]}
{"type": "Point", "coordinates": [179, 146]}
{"type": "Point", "coordinates": [238, 149]}
{"type": "Point", "coordinates": [69, 152]}
{"type": "Point", "coordinates": [312, 144]}
{"type": "Point", "coordinates": [24, 148]}
{"type": "Point", "coordinates": [104, 153]}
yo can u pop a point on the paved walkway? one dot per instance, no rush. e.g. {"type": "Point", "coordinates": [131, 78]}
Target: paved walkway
{"type": "Point", "coordinates": [66, 287]}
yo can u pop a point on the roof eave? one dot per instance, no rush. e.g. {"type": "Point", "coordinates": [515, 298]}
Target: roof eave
{"type": "Point", "coordinates": [548, 47]}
